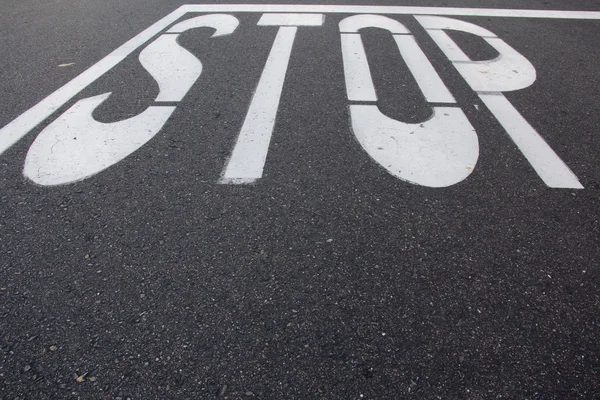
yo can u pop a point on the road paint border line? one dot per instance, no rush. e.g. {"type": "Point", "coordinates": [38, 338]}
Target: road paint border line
{"type": "Point", "coordinates": [456, 11]}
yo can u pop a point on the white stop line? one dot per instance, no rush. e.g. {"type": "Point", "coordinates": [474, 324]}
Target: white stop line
{"type": "Point", "coordinates": [439, 152]}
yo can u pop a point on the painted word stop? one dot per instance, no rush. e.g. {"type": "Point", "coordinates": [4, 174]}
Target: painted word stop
{"type": "Point", "coordinates": [437, 152]}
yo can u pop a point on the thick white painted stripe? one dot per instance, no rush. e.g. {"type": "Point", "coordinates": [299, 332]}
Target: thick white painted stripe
{"type": "Point", "coordinates": [457, 11]}
{"type": "Point", "coordinates": [250, 152]}
{"type": "Point", "coordinates": [20, 126]}
{"type": "Point", "coordinates": [553, 171]}
{"type": "Point", "coordinates": [428, 80]}
{"type": "Point", "coordinates": [448, 46]}
{"type": "Point", "coordinates": [291, 20]}
{"type": "Point", "coordinates": [359, 83]}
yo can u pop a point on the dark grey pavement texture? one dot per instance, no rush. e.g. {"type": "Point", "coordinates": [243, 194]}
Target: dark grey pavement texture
{"type": "Point", "coordinates": [327, 279]}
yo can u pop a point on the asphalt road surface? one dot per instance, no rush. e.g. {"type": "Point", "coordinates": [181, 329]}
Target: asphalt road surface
{"type": "Point", "coordinates": [312, 203]}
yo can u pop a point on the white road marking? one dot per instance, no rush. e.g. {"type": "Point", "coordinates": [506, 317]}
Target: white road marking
{"type": "Point", "coordinates": [553, 171]}
{"type": "Point", "coordinates": [439, 152]}
{"type": "Point", "coordinates": [223, 24]}
{"type": "Point", "coordinates": [249, 155]}
{"type": "Point", "coordinates": [23, 124]}
{"type": "Point", "coordinates": [429, 81]}
{"type": "Point", "coordinates": [440, 23]}
{"type": "Point", "coordinates": [489, 79]}
{"type": "Point", "coordinates": [76, 146]}
{"type": "Point", "coordinates": [400, 10]}
{"type": "Point", "coordinates": [174, 68]}
{"type": "Point", "coordinates": [359, 83]}
{"type": "Point", "coordinates": [20, 126]}
{"type": "Point", "coordinates": [355, 23]}
{"type": "Point", "coordinates": [508, 72]}
{"type": "Point", "coordinates": [291, 20]}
